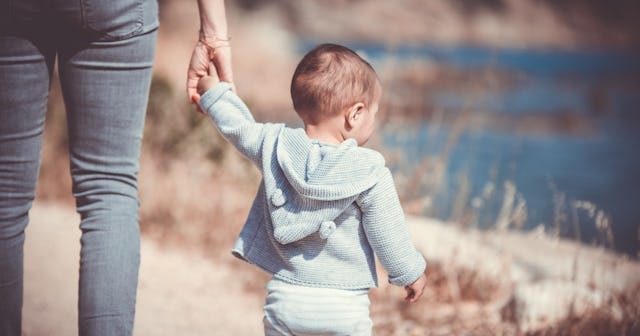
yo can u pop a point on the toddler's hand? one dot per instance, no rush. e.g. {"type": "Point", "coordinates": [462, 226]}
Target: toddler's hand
{"type": "Point", "coordinates": [415, 290]}
{"type": "Point", "coordinates": [208, 81]}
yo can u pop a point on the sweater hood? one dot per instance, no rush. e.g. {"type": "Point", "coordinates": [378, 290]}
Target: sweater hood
{"type": "Point", "coordinates": [327, 172]}
{"type": "Point", "coordinates": [310, 184]}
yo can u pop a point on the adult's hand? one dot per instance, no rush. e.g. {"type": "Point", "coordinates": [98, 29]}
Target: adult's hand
{"type": "Point", "coordinates": [221, 59]}
{"type": "Point", "coordinates": [204, 55]}
{"type": "Point", "coordinates": [212, 47]}
{"type": "Point", "coordinates": [198, 67]}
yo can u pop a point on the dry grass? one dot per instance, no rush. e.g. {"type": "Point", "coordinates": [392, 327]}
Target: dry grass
{"type": "Point", "coordinates": [456, 301]}
{"type": "Point", "coordinates": [621, 316]}
{"type": "Point", "coordinates": [459, 302]}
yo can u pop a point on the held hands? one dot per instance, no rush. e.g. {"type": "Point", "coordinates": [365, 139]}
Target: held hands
{"type": "Point", "coordinates": [207, 54]}
{"type": "Point", "coordinates": [415, 290]}
{"type": "Point", "coordinates": [207, 81]}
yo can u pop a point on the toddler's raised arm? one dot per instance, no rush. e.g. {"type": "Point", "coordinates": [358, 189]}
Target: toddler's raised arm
{"type": "Point", "coordinates": [234, 120]}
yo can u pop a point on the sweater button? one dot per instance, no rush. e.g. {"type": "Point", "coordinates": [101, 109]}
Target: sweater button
{"type": "Point", "coordinates": [326, 229]}
{"type": "Point", "coordinates": [278, 199]}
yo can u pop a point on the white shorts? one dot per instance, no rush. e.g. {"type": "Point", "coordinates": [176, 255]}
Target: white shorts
{"type": "Point", "coordinates": [305, 311]}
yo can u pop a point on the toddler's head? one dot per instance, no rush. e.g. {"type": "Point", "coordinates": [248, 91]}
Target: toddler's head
{"type": "Point", "coordinates": [332, 82]}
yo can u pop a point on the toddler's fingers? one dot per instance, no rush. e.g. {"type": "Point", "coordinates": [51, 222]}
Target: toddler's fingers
{"type": "Point", "coordinates": [410, 294]}
{"type": "Point", "coordinates": [413, 294]}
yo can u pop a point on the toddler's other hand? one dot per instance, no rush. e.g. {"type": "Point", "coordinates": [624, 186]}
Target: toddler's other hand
{"type": "Point", "coordinates": [415, 290]}
{"type": "Point", "coordinates": [210, 80]}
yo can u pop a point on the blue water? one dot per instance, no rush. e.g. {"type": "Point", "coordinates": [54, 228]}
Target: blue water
{"type": "Point", "coordinates": [601, 166]}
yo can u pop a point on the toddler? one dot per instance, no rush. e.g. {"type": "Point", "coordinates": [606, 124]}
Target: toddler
{"type": "Point", "coordinates": [325, 205]}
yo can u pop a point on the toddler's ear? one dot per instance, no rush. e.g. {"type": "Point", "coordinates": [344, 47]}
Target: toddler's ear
{"type": "Point", "coordinates": [354, 114]}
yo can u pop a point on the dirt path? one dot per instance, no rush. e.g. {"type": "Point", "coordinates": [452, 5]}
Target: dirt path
{"type": "Point", "coordinates": [182, 293]}
{"type": "Point", "coordinates": [179, 293]}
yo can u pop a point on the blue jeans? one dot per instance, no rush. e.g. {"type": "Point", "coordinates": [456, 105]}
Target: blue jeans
{"type": "Point", "coordinates": [104, 52]}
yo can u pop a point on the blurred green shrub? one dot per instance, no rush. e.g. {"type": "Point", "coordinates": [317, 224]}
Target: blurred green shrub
{"type": "Point", "coordinates": [175, 130]}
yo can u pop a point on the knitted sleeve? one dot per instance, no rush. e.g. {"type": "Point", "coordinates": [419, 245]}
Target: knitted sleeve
{"type": "Point", "coordinates": [234, 120]}
{"type": "Point", "coordinates": [384, 224]}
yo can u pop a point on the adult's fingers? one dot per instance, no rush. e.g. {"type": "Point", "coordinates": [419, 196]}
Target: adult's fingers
{"type": "Point", "coordinates": [213, 71]}
{"type": "Point", "coordinates": [192, 91]}
{"type": "Point", "coordinates": [198, 66]}
{"type": "Point", "coordinates": [222, 62]}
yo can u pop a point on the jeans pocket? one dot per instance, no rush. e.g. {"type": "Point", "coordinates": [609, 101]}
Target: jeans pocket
{"type": "Point", "coordinates": [114, 19]}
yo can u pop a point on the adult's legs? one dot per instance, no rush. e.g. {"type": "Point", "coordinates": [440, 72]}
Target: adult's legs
{"type": "Point", "coordinates": [25, 68]}
{"type": "Point", "coordinates": [105, 54]}
{"type": "Point", "coordinates": [105, 87]}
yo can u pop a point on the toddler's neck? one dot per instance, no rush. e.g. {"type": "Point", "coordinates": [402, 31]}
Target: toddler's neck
{"type": "Point", "coordinates": [324, 133]}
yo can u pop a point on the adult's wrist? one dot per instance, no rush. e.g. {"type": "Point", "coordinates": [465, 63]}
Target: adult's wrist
{"type": "Point", "coordinates": [213, 39]}
{"type": "Point", "coordinates": [213, 42]}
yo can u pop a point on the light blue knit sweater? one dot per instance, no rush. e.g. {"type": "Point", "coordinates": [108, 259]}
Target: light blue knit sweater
{"type": "Point", "coordinates": [322, 210]}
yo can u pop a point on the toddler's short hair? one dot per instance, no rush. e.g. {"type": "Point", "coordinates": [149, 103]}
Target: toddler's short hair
{"type": "Point", "coordinates": [329, 78]}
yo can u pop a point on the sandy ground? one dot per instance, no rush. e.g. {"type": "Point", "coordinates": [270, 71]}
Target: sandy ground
{"type": "Point", "coordinates": [179, 293]}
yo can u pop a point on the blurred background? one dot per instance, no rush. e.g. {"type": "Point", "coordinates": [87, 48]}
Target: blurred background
{"type": "Point", "coordinates": [498, 115]}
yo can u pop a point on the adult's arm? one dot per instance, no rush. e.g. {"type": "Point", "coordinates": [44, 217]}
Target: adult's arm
{"type": "Point", "coordinates": [212, 47]}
